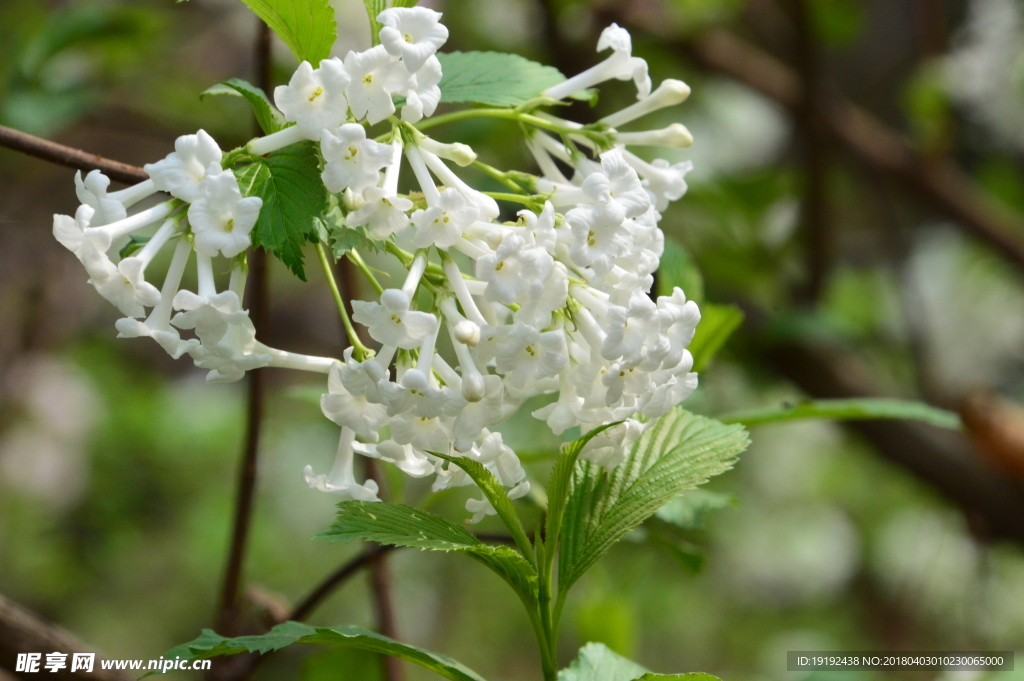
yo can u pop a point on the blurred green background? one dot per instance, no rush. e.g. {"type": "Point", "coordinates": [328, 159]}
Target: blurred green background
{"type": "Point", "coordinates": [117, 464]}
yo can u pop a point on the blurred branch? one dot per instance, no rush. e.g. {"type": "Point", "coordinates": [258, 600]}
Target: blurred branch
{"type": "Point", "coordinates": [814, 209]}
{"type": "Point", "coordinates": [380, 582]}
{"type": "Point", "coordinates": [939, 181]}
{"type": "Point", "coordinates": [315, 597]}
{"type": "Point", "coordinates": [944, 459]}
{"type": "Point", "coordinates": [69, 156]}
{"type": "Point", "coordinates": [258, 311]}
{"type": "Point", "coordinates": [22, 631]}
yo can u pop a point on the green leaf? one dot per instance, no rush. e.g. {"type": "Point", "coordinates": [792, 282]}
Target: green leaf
{"type": "Point", "coordinates": [854, 409]}
{"type": "Point", "coordinates": [496, 494]}
{"type": "Point", "coordinates": [210, 644]}
{"type": "Point", "coordinates": [134, 245]}
{"type": "Point", "coordinates": [687, 511]}
{"type": "Point", "coordinates": [597, 662]}
{"type": "Point", "coordinates": [267, 115]}
{"type": "Point", "coordinates": [374, 8]}
{"type": "Point", "coordinates": [717, 322]}
{"type": "Point", "coordinates": [677, 268]}
{"type": "Point", "coordinates": [677, 453]}
{"type": "Point", "coordinates": [399, 525]}
{"type": "Point", "coordinates": [307, 27]}
{"type": "Point", "coordinates": [560, 480]}
{"type": "Point", "coordinates": [404, 3]}
{"type": "Point", "coordinates": [288, 181]}
{"type": "Point", "coordinates": [493, 78]}
{"type": "Point", "coordinates": [339, 236]}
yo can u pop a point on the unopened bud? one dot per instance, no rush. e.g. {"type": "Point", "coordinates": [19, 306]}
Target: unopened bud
{"type": "Point", "coordinates": [467, 333]}
{"type": "Point", "coordinates": [473, 386]}
{"type": "Point", "coordinates": [669, 93]}
{"type": "Point", "coordinates": [457, 152]}
{"type": "Point", "coordinates": [675, 136]}
{"type": "Point", "coordinates": [352, 201]}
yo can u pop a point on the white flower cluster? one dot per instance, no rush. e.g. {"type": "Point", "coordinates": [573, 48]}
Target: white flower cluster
{"type": "Point", "coordinates": [555, 303]}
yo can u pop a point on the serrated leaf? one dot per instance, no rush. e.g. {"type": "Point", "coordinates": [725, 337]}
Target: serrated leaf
{"type": "Point", "coordinates": [597, 662]}
{"type": "Point", "coordinates": [493, 78]}
{"type": "Point", "coordinates": [560, 480]}
{"type": "Point", "coordinates": [341, 238]}
{"type": "Point", "coordinates": [854, 409]}
{"type": "Point", "coordinates": [307, 27]}
{"type": "Point", "coordinates": [717, 322]}
{"type": "Point", "coordinates": [373, 8]}
{"type": "Point", "coordinates": [210, 644]}
{"type": "Point", "coordinates": [496, 494]}
{"type": "Point", "coordinates": [288, 181]}
{"type": "Point", "coordinates": [399, 525]}
{"type": "Point", "coordinates": [678, 452]}
{"type": "Point", "coordinates": [267, 115]}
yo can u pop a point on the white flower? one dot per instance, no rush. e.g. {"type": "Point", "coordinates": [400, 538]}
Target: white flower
{"type": "Point", "coordinates": [471, 418]}
{"type": "Point", "coordinates": [539, 230]}
{"type": "Point", "coordinates": [376, 75]}
{"type": "Point", "coordinates": [675, 136]}
{"type": "Point", "coordinates": [542, 297]}
{"type": "Point", "coordinates": [407, 458]}
{"type": "Point", "coordinates": [314, 99]}
{"type": "Point", "coordinates": [679, 318]}
{"type": "Point", "coordinates": [210, 316]}
{"type": "Point", "coordinates": [617, 187]}
{"type": "Point", "coordinates": [232, 357]}
{"type": "Point", "coordinates": [115, 287]}
{"type": "Point", "coordinates": [443, 223]}
{"type": "Point", "coordinates": [423, 433]}
{"type": "Point", "coordinates": [526, 355]}
{"type": "Point", "coordinates": [182, 171]}
{"type": "Point", "coordinates": [412, 33]}
{"type": "Point", "coordinates": [669, 93]}
{"type": "Point", "coordinates": [621, 65]}
{"type": "Point", "coordinates": [92, 192]}
{"type": "Point", "coordinates": [353, 411]}
{"type": "Point", "coordinates": [361, 378]}
{"type": "Point", "coordinates": [598, 237]}
{"type": "Point", "coordinates": [352, 160]}
{"type": "Point", "coordinates": [415, 393]}
{"type": "Point", "coordinates": [341, 481]}
{"type": "Point", "coordinates": [134, 267]}
{"type": "Point", "coordinates": [221, 220]}
{"type": "Point", "coordinates": [383, 214]}
{"type": "Point", "coordinates": [629, 327]}
{"type": "Point", "coordinates": [391, 322]}
{"type": "Point", "coordinates": [609, 447]}
{"type": "Point", "coordinates": [70, 232]}
{"type": "Point", "coordinates": [512, 268]}
{"type": "Point", "coordinates": [421, 99]}
{"type": "Point", "coordinates": [664, 182]}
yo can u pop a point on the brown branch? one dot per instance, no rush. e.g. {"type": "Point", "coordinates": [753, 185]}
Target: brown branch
{"type": "Point", "coordinates": [69, 156]}
{"type": "Point", "coordinates": [944, 459]}
{"type": "Point", "coordinates": [258, 311]}
{"type": "Point", "coordinates": [939, 181]}
{"type": "Point", "coordinates": [22, 631]}
{"type": "Point", "coordinates": [814, 217]}
{"type": "Point", "coordinates": [317, 596]}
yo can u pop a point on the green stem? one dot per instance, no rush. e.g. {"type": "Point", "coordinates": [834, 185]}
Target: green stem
{"type": "Point", "coordinates": [358, 261]}
{"type": "Point", "coordinates": [508, 114]}
{"type": "Point", "coordinates": [516, 198]}
{"type": "Point", "coordinates": [501, 177]}
{"type": "Point", "coordinates": [360, 352]}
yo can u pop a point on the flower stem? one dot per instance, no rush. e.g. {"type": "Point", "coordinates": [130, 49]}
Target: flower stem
{"type": "Point", "coordinates": [498, 175]}
{"type": "Point", "coordinates": [358, 261]}
{"type": "Point", "coordinates": [516, 198]}
{"type": "Point", "coordinates": [361, 352]}
{"type": "Point", "coordinates": [510, 114]}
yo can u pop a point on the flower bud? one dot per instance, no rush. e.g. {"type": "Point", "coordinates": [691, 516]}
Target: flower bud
{"type": "Point", "coordinates": [669, 93]}
{"type": "Point", "coordinates": [675, 136]}
{"type": "Point", "coordinates": [473, 386]}
{"type": "Point", "coordinates": [457, 152]}
{"type": "Point", "coordinates": [467, 333]}
{"type": "Point", "coordinates": [352, 200]}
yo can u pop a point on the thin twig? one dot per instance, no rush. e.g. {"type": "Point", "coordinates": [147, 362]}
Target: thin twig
{"type": "Point", "coordinates": [939, 181]}
{"type": "Point", "coordinates": [380, 582]}
{"type": "Point", "coordinates": [319, 594]}
{"type": "Point", "coordinates": [22, 631]}
{"type": "Point", "coordinates": [814, 211]}
{"type": "Point", "coordinates": [258, 306]}
{"type": "Point", "coordinates": [69, 156]}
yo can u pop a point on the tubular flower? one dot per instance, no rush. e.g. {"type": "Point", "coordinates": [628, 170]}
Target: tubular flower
{"type": "Point", "coordinates": [496, 306]}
